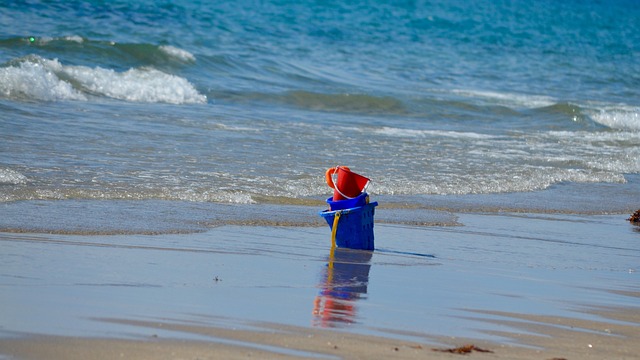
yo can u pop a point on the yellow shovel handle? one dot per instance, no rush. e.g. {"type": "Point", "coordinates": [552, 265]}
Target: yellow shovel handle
{"type": "Point", "coordinates": [334, 228]}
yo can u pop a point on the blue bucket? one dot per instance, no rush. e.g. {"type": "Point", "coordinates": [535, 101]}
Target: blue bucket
{"type": "Point", "coordinates": [357, 201]}
{"type": "Point", "coordinates": [355, 226]}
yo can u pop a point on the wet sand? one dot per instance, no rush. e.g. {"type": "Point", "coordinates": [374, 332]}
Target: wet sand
{"type": "Point", "coordinates": [547, 338]}
{"type": "Point", "coordinates": [524, 286]}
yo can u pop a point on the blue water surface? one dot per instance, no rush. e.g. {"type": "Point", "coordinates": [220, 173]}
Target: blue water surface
{"type": "Point", "coordinates": [251, 101]}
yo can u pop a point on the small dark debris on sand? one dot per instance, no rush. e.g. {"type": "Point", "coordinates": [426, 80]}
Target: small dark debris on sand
{"type": "Point", "coordinates": [635, 218]}
{"type": "Point", "coordinates": [463, 350]}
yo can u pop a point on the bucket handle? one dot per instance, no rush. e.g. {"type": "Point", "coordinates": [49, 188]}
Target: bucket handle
{"type": "Point", "coordinates": [332, 182]}
{"type": "Point", "coordinates": [332, 171]}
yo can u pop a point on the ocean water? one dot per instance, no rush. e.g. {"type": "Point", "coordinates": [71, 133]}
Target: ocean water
{"type": "Point", "coordinates": [118, 106]}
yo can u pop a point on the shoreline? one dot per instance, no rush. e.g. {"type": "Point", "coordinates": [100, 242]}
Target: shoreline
{"type": "Point", "coordinates": [156, 216]}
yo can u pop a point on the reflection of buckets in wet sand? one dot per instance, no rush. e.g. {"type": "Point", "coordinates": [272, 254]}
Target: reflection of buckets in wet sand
{"type": "Point", "coordinates": [354, 226]}
{"type": "Point", "coordinates": [345, 281]}
{"type": "Point", "coordinates": [348, 184]}
{"type": "Point", "coordinates": [348, 273]}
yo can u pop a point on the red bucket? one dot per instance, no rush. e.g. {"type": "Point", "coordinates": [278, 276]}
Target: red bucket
{"type": "Point", "coordinates": [348, 185]}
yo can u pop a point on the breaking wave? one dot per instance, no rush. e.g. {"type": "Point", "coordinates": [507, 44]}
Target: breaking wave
{"type": "Point", "coordinates": [11, 177]}
{"type": "Point", "coordinates": [617, 117]}
{"type": "Point", "coordinates": [36, 78]}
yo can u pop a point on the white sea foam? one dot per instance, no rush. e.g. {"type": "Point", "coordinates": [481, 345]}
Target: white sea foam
{"type": "Point", "coordinates": [11, 177]}
{"type": "Point", "coordinates": [36, 80]}
{"type": "Point", "coordinates": [509, 99]}
{"type": "Point", "coordinates": [42, 79]}
{"type": "Point", "coordinates": [140, 85]}
{"type": "Point", "coordinates": [45, 40]}
{"type": "Point", "coordinates": [620, 117]}
{"type": "Point", "coordinates": [177, 53]}
{"type": "Point", "coordinates": [391, 131]}
{"type": "Point", "coordinates": [74, 38]}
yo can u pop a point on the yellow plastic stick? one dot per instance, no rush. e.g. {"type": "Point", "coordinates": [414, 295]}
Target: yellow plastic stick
{"type": "Point", "coordinates": [334, 228]}
{"type": "Point", "coordinates": [332, 255]}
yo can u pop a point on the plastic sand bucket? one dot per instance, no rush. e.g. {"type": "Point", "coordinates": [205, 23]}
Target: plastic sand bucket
{"type": "Point", "coordinates": [354, 226]}
{"type": "Point", "coordinates": [357, 201]}
{"type": "Point", "coordinates": [348, 185]}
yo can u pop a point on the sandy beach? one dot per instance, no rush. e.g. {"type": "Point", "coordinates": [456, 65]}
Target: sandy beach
{"type": "Point", "coordinates": [547, 338]}
{"type": "Point", "coordinates": [522, 286]}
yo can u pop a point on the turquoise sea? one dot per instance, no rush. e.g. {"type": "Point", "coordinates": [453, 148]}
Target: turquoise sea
{"type": "Point", "coordinates": [171, 109]}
